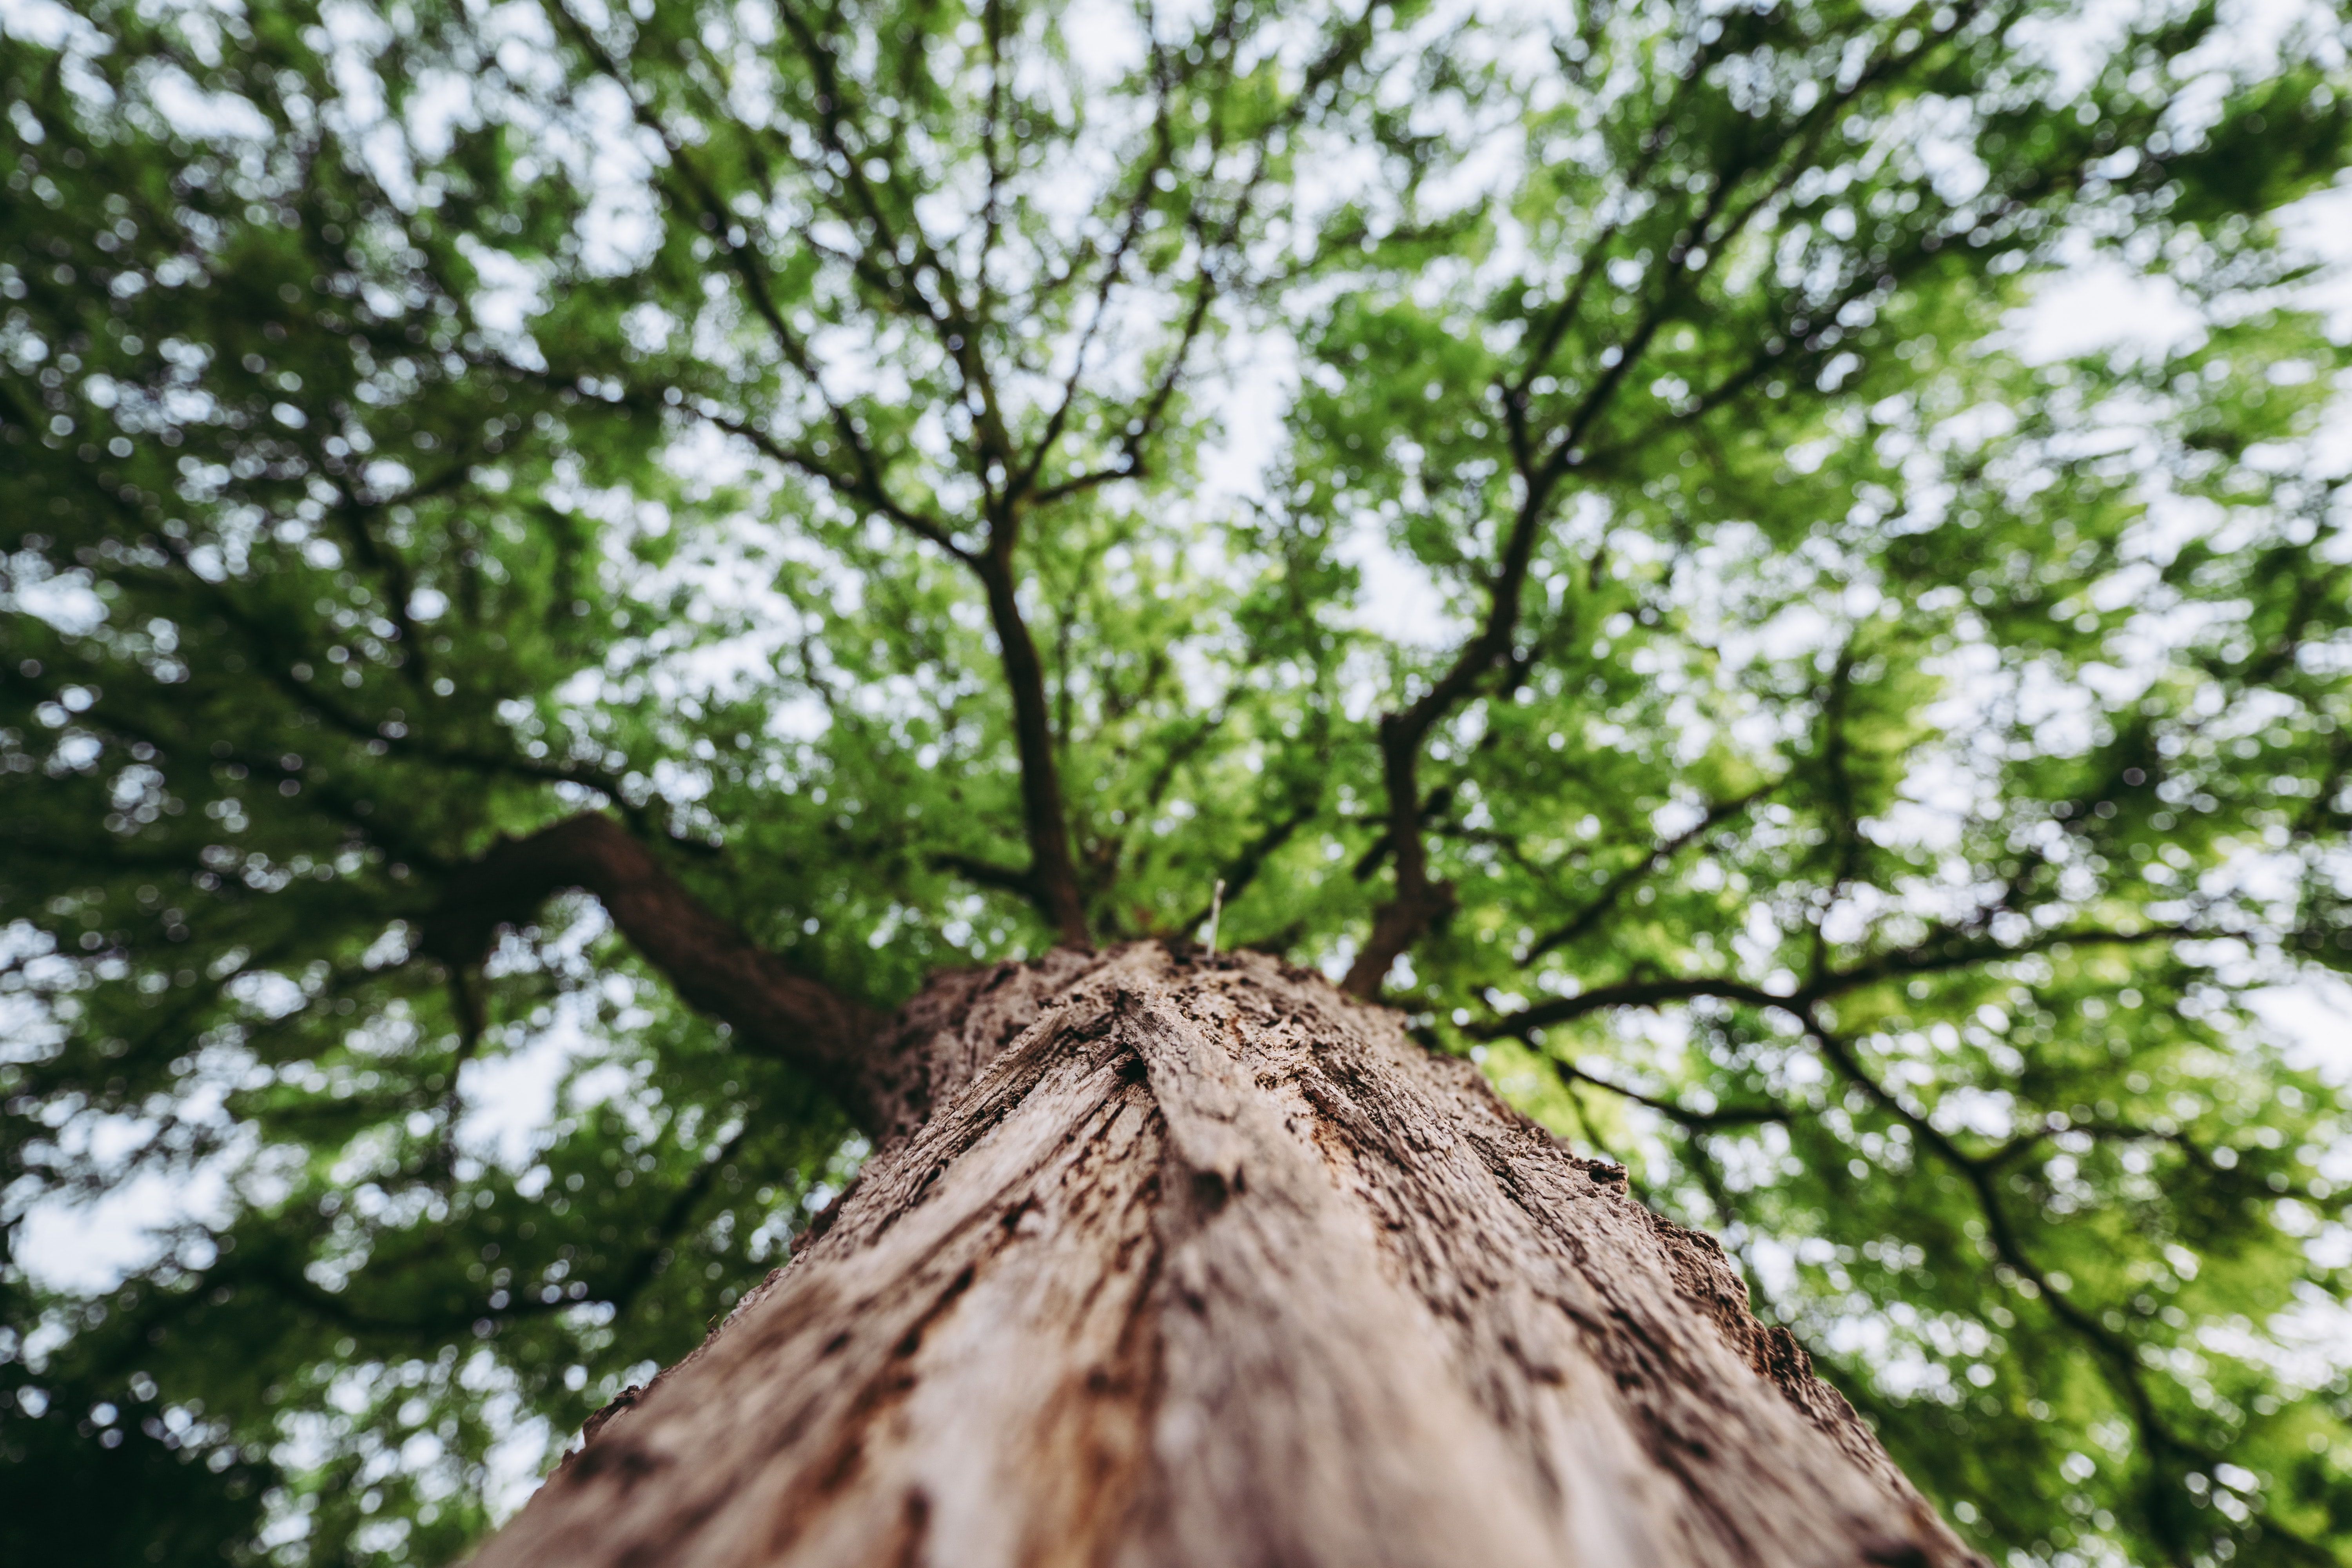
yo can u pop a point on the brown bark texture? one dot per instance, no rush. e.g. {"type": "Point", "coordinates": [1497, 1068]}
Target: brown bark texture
{"type": "Point", "coordinates": [1199, 1261]}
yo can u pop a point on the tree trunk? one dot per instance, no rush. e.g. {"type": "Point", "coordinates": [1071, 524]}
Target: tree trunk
{"type": "Point", "coordinates": [1199, 1261]}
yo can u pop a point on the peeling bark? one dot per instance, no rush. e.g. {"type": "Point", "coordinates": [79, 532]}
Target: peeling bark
{"type": "Point", "coordinates": [1184, 1261]}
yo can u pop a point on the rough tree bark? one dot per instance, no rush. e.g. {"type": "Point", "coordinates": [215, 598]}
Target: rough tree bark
{"type": "Point", "coordinates": [1172, 1260]}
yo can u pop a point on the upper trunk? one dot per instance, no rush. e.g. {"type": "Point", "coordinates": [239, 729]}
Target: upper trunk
{"type": "Point", "coordinates": [1201, 1262]}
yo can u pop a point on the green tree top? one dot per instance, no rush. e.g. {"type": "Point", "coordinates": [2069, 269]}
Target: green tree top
{"type": "Point", "coordinates": [917, 469]}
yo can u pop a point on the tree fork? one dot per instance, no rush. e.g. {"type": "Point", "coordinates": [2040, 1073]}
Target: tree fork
{"type": "Point", "coordinates": [1199, 1261]}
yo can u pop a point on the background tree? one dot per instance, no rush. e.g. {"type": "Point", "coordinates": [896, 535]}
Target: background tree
{"type": "Point", "coordinates": [900, 483]}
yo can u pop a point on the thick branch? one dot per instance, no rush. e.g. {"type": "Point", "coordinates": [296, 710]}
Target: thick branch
{"type": "Point", "coordinates": [1052, 874]}
{"type": "Point", "coordinates": [713, 966]}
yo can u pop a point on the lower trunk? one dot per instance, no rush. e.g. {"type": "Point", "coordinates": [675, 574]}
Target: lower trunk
{"type": "Point", "coordinates": [1198, 1261]}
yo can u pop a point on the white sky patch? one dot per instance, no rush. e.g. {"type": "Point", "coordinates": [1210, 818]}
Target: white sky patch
{"type": "Point", "coordinates": [89, 1249]}
{"type": "Point", "coordinates": [207, 116]}
{"type": "Point", "coordinates": [67, 601]}
{"type": "Point", "coordinates": [509, 1098]}
{"type": "Point", "coordinates": [44, 23]}
{"type": "Point", "coordinates": [515, 1460]}
{"type": "Point", "coordinates": [1103, 40]}
{"type": "Point", "coordinates": [2322, 224]}
{"type": "Point", "coordinates": [1252, 401]}
{"type": "Point", "coordinates": [2313, 1018]}
{"type": "Point", "coordinates": [509, 294]}
{"type": "Point", "coordinates": [1399, 600]}
{"type": "Point", "coordinates": [2105, 305]}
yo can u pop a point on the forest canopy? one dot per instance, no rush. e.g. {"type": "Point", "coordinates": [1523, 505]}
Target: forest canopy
{"type": "Point", "coordinates": [1552, 510]}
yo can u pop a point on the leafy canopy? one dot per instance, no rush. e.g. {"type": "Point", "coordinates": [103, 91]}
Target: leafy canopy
{"type": "Point", "coordinates": [1550, 506]}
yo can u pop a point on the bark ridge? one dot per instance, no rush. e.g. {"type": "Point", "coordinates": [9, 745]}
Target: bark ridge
{"type": "Point", "coordinates": [1201, 1262]}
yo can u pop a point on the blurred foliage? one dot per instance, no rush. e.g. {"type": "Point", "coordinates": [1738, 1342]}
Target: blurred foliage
{"type": "Point", "coordinates": [1914, 750]}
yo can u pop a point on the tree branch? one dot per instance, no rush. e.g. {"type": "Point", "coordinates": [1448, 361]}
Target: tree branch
{"type": "Point", "coordinates": [1799, 1004]}
{"type": "Point", "coordinates": [1727, 1116]}
{"type": "Point", "coordinates": [712, 966]}
{"type": "Point", "coordinates": [1664, 850]}
{"type": "Point", "coordinates": [1053, 873]}
{"type": "Point", "coordinates": [1630, 993]}
{"type": "Point", "coordinates": [985, 873]}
